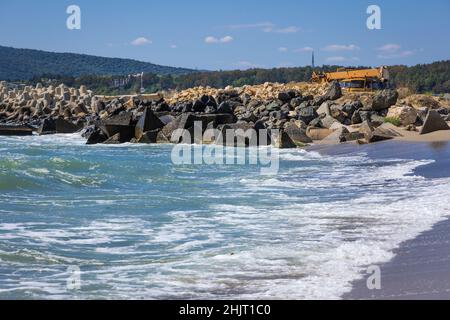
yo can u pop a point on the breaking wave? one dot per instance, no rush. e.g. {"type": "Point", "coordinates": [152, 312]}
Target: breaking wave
{"type": "Point", "coordinates": [139, 227]}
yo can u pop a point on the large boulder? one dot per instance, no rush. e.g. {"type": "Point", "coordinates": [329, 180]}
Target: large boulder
{"type": "Point", "coordinates": [123, 119]}
{"type": "Point", "coordinates": [405, 114]}
{"type": "Point", "coordinates": [352, 107]}
{"type": "Point", "coordinates": [334, 92]}
{"type": "Point", "coordinates": [64, 126]}
{"type": "Point", "coordinates": [147, 122]}
{"type": "Point", "coordinates": [284, 96]}
{"type": "Point", "coordinates": [336, 137]}
{"type": "Point", "coordinates": [198, 106]}
{"type": "Point", "coordinates": [115, 139]}
{"type": "Point", "coordinates": [324, 109]}
{"type": "Point", "coordinates": [48, 126]}
{"type": "Point", "coordinates": [307, 114]}
{"type": "Point", "coordinates": [95, 136]}
{"type": "Point", "coordinates": [388, 129]}
{"type": "Point", "coordinates": [433, 122]}
{"type": "Point", "coordinates": [280, 139]}
{"type": "Point", "coordinates": [241, 134]}
{"type": "Point", "coordinates": [225, 107]}
{"type": "Point", "coordinates": [166, 119]}
{"type": "Point", "coordinates": [149, 136]}
{"type": "Point", "coordinates": [371, 134]}
{"type": "Point", "coordinates": [297, 135]}
{"type": "Point", "coordinates": [120, 134]}
{"type": "Point", "coordinates": [337, 113]}
{"type": "Point", "coordinates": [186, 121]}
{"type": "Point", "coordinates": [383, 100]}
{"type": "Point", "coordinates": [328, 121]}
{"type": "Point", "coordinates": [126, 132]}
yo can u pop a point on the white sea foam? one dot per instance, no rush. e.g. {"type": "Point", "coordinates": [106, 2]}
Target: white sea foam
{"type": "Point", "coordinates": [227, 234]}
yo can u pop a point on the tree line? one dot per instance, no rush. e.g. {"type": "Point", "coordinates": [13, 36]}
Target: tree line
{"type": "Point", "coordinates": [424, 78]}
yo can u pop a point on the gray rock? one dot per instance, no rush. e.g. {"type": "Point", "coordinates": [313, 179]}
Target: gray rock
{"type": "Point", "coordinates": [338, 136]}
{"type": "Point", "coordinates": [328, 121]}
{"type": "Point", "coordinates": [48, 126]}
{"type": "Point", "coordinates": [356, 118]}
{"type": "Point", "coordinates": [147, 122]}
{"type": "Point", "coordinates": [284, 96]}
{"type": "Point", "coordinates": [149, 137]}
{"type": "Point", "coordinates": [96, 136]}
{"type": "Point", "coordinates": [375, 135]}
{"type": "Point", "coordinates": [244, 134]}
{"type": "Point", "coordinates": [334, 91]}
{"type": "Point", "coordinates": [64, 126]}
{"type": "Point", "coordinates": [123, 119]}
{"type": "Point", "coordinates": [324, 109]}
{"type": "Point", "coordinates": [296, 134]}
{"type": "Point", "coordinates": [433, 122]}
{"type": "Point", "coordinates": [224, 107]}
{"type": "Point", "coordinates": [307, 114]}
{"type": "Point", "coordinates": [383, 100]}
{"type": "Point", "coordinates": [280, 139]}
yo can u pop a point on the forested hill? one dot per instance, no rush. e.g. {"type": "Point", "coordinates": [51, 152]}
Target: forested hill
{"type": "Point", "coordinates": [433, 77]}
{"type": "Point", "coordinates": [101, 74]}
{"type": "Point", "coordinates": [24, 64]}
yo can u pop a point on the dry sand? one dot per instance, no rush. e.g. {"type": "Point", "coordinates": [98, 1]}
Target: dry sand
{"type": "Point", "coordinates": [437, 136]}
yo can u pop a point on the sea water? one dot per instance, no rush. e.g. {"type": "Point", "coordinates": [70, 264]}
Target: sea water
{"type": "Point", "coordinates": [135, 226]}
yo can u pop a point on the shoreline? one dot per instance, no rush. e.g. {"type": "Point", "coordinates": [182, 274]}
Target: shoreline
{"type": "Point", "coordinates": [420, 268]}
{"type": "Point", "coordinates": [388, 149]}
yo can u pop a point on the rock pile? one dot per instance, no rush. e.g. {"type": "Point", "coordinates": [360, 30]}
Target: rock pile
{"type": "Point", "coordinates": [293, 115]}
{"type": "Point", "coordinates": [44, 105]}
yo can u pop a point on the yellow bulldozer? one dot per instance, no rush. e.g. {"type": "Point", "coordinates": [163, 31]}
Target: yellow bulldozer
{"type": "Point", "coordinates": [356, 80]}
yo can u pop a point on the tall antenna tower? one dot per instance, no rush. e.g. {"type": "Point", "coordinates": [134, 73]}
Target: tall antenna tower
{"type": "Point", "coordinates": [142, 83]}
{"type": "Point", "coordinates": [313, 64]}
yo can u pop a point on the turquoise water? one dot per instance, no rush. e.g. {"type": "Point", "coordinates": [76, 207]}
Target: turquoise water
{"type": "Point", "coordinates": [139, 227]}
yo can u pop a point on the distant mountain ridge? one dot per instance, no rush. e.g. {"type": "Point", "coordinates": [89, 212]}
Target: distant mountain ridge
{"type": "Point", "coordinates": [24, 64]}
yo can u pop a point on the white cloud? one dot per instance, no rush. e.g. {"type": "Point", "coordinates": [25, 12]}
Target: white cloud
{"type": "Point", "coordinates": [402, 54]}
{"type": "Point", "coordinates": [141, 41]}
{"type": "Point", "coordinates": [226, 39]}
{"type": "Point", "coordinates": [211, 39]}
{"type": "Point", "coordinates": [393, 51]}
{"type": "Point", "coordinates": [340, 47]}
{"type": "Point", "coordinates": [173, 46]}
{"type": "Point", "coordinates": [390, 48]}
{"type": "Point", "coordinates": [291, 29]}
{"type": "Point", "coordinates": [282, 49]}
{"type": "Point", "coordinates": [304, 49]}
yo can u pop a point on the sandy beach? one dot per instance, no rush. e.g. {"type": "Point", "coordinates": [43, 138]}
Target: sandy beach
{"type": "Point", "coordinates": [421, 266]}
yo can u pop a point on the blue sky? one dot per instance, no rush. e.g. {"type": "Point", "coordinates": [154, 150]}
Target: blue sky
{"type": "Point", "coordinates": [235, 34]}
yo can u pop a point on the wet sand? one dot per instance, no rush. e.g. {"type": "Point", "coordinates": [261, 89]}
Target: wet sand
{"type": "Point", "coordinates": [420, 269]}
